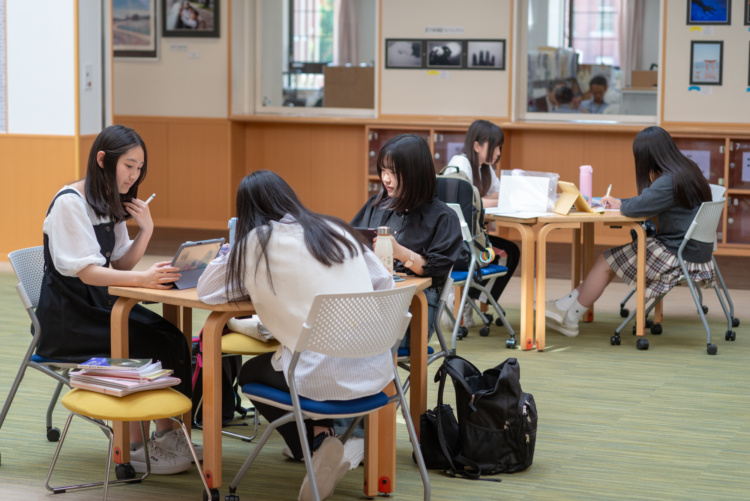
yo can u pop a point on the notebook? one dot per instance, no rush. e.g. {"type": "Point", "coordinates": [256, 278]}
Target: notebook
{"type": "Point", "coordinates": [570, 197]}
{"type": "Point", "coordinates": [192, 259]}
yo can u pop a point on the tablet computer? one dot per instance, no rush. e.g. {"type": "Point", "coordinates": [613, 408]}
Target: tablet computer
{"type": "Point", "coordinates": [192, 259]}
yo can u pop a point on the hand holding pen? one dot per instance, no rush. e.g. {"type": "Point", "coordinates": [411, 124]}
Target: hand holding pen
{"type": "Point", "coordinates": [138, 210]}
{"type": "Point", "coordinates": [609, 202]}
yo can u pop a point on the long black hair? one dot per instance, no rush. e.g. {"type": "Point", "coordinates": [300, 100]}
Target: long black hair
{"type": "Point", "coordinates": [408, 157]}
{"type": "Point", "coordinates": [482, 131]}
{"type": "Point", "coordinates": [655, 153]}
{"type": "Point", "coordinates": [263, 197]}
{"type": "Point", "coordinates": [102, 193]}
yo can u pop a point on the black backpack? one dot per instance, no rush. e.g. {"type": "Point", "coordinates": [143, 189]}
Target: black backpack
{"type": "Point", "coordinates": [495, 431]}
{"type": "Point", "coordinates": [231, 400]}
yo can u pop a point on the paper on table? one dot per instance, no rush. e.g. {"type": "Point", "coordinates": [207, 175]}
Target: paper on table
{"type": "Point", "coordinates": [496, 211]}
{"type": "Point", "coordinates": [523, 194]}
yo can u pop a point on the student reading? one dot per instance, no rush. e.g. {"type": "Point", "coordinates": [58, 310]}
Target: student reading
{"type": "Point", "coordinates": [671, 187]}
{"type": "Point", "coordinates": [482, 148]}
{"type": "Point", "coordinates": [283, 256]}
{"type": "Point", "coordinates": [425, 232]}
{"type": "Point", "coordinates": [86, 249]}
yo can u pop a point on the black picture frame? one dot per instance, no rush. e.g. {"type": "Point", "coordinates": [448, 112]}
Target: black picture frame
{"type": "Point", "coordinates": [404, 53]}
{"type": "Point", "coordinates": [748, 67]}
{"type": "Point", "coordinates": [445, 54]}
{"type": "Point", "coordinates": [747, 12]}
{"type": "Point", "coordinates": [713, 68]}
{"type": "Point", "coordinates": [134, 34]}
{"type": "Point", "coordinates": [191, 18]}
{"type": "Point", "coordinates": [699, 12]}
{"type": "Point", "coordinates": [485, 54]}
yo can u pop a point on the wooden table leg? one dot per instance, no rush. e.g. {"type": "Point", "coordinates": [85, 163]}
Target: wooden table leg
{"type": "Point", "coordinates": [212, 332]}
{"type": "Point", "coordinates": [640, 291]}
{"type": "Point", "coordinates": [575, 268]}
{"type": "Point", "coordinates": [418, 355]}
{"type": "Point", "coordinates": [176, 315]}
{"type": "Point", "coordinates": [587, 261]}
{"type": "Point", "coordinates": [120, 337]}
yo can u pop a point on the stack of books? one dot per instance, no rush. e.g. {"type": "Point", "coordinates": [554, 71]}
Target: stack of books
{"type": "Point", "coordinates": [121, 376]}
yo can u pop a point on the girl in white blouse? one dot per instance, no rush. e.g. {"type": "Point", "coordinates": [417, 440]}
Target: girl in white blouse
{"type": "Point", "coordinates": [283, 257]}
{"type": "Point", "coordinates": [86, 249]}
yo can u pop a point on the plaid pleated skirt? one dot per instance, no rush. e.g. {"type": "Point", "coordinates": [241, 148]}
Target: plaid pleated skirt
{"type": "Point", "coordinates": [663, 269]}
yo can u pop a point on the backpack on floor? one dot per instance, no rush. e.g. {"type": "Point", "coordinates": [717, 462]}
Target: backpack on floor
{"type": "Point", "coordinates": [454, 187]}
{"type": "Point", "coordinates": [231, 400]}
{"type": "Point", "coordinates": [496, 421]}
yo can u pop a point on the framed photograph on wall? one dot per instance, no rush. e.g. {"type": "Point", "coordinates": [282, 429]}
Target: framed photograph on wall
{"type": "Point", "coordinates": [448, 54]}
{"type": "Point", "coordinates": [134, 29]}
{"type": "Point", "coordinates": [747, 12]}
{"type": "Point", "coordinates": [190, 18]}
{"type": "Point", "coordinates": [485, 54]}
{"type": "Point", "coordinates": [709, 11]}
{"type": "Point", "coordinates": [404, 53]}
{"type": "Point", "coordinates": [706, 62]}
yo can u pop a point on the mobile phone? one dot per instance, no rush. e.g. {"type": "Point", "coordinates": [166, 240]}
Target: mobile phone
{"type": "Point", "coordinates": [368, 233]}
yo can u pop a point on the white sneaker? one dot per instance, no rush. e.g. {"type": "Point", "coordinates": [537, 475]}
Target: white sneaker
{"type": "Point", "coordinates": [354, 451]}
{"type": "Point", "coordinates": [570, 330]}
{"type": "Point", "coordinates": [551, 311]}
{"type": "Point", "coordinates": [329, 466]}
{"type": "Point", "coordinates": [174, 441]}
{"type": "Point", "coordinates": [162, 462]}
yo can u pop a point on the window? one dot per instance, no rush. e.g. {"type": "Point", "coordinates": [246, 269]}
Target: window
{"type": "Point", "coordinates": [310, 42]}
{"type": "Point", "coordinates": [593, 31]}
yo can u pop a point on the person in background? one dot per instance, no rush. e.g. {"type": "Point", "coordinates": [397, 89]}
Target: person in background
{"type": "Point", "coordinates": [671, 188]}
{"type": "Point", "coordinates": [597, 87]}
{"type": "Point", "coordinates": [87, 249]}
{"type": "Point", "coordinates": [284, 255]}
{"type": "Point", "coordinates": [565, 100]}
{"type": "Point", "coordinates": [482, 148]}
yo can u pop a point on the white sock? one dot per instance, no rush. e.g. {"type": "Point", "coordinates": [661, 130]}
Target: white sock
{"type": "Point", "coordinates": [575, 312]}
{"type": "Point", "coordinates": [565, 302]}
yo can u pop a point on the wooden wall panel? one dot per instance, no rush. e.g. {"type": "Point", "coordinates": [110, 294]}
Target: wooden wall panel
{"type": "Point", "coordinates": [84, 144]}
{"type": "Point", "coordinates": [34, 168]}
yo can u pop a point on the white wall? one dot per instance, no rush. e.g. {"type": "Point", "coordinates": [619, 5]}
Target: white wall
{"type": "Point", "coordinates": [243, 57]}
{"type": "Point", "coordinates": [651, 24]}
{"type": "Point", "coordinates": [459, 92]}
{"type": "Point", "coordinates": [189, 78]}
{"type": "Point", "coordinates": [41, 49]}
{"type": "Point", "coordinates": [90, 55]}
{"type": "Point", "coordinates": [726, 103]}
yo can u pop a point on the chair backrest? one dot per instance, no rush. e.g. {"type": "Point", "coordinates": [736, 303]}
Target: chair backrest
{"type": "Point", "coordinates": [29, 267]}
{"type": "Point", "coordinates": [455, 187]}
{"type": "Point", "coordinates": [717, 192]}
{"type": "Point", "coordinates": [356, 325]}
{"type": "Point", "coordinates": [703, 227]}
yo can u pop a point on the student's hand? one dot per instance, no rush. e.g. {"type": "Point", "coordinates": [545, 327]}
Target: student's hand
{"type": "Point", "coordinates": [138, 210]}
{"type": "Point", "coordinates": [399, 251]}
{"type": "Point", "coordinates": [611, 202]}
{"type": "Point", "coordinates": [160, 276]}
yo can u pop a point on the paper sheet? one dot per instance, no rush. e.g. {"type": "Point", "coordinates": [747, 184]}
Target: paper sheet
{"type": "Point", "coordinates": [523, 194]}
{"type": "Point", "coordinates": [702, 158]}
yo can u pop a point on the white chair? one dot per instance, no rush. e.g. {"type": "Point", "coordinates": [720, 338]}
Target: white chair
{"type": "Point", "coordinates": [470, 279]}
{"type": "Point", "coordinates": [29, 267]}
{"type": "Point", "coordinates": [702, 229]}
{"type": "Point", "coordinates": [354, 325]}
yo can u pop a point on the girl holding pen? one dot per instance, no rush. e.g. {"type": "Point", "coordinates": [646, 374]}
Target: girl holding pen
{"type": "Point", "coordinates": [671, 188]}
{"type": "Point", "coordinates": [86, 249]}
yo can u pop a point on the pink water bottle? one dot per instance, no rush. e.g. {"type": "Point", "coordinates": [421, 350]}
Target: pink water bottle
{"type": "Point", "coordinates": [584, 184]}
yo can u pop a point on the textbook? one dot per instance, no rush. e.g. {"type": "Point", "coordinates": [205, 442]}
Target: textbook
{"type": "Point", "coordinates": [123, 367]}
{"type": "Point", "coordinates": [118, 386]}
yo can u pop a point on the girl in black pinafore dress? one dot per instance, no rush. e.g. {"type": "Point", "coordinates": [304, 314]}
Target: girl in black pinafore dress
{"type": "Point", "coordinates": [86, 249]}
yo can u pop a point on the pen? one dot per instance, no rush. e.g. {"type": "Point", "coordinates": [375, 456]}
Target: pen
{"type": "Point", "coordinates": [147, 202]}
{"type": "Point", "coordinates": [608, 190]}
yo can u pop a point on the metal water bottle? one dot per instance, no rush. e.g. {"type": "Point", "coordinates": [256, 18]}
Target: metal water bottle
{"type": "Point", "coordinates": [584, 184]}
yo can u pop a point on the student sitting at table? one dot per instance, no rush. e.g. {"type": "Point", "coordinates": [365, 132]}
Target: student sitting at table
{"type": "Point", "coordinates": [86, 249]}
{"type": "Point", "coordinates": [597, 104]}
{"type": "Point", "coordinates": [283, 256]}
{"type": "Point", "coordinates": [671, 188]}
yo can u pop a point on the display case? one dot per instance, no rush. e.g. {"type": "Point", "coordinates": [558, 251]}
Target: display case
{"type": "Point", "coordinates": [445, 145]}
{"type": "Point", "coordinates": [708, 153]}
{"type": "Point", "coordinates": [376, 139]}
{"type": "Point", "coordinates": [738, 219]}
{"type": "Point", "coordinates": [739, 164]}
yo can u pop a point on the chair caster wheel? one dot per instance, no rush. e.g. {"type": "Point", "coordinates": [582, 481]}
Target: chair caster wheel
{"type": "Point", "coordinates": [649, 323]}
{"type": "Point", "coordinates": [615, 340]}
{"type": "Point", "coordinates": [624, 312]}
{"type": "Point", "coordinates": [656, 329]}
{"type": "Point", "coordinates": [231, 497]}
{"type": "Point", "coordinates": [499, 322]}
{"type": "Point", "coordinates": [642, 344]}
{"type": "Point", "coordinates": [735, 322]}
{"type": "Point", "coordinates": [462, 332]}
{"type": "Point", "coordinates": [124, 471]}
{"type": "Point", "coordinates": [730, 336]}
{"type": "Point", "coordinates": [214, 495]}
{"type": "Point", "coordinates": [711, 349]}
{"type": "Point", "coordinates": [705, 309]}
{"type": "Point", "coordinates": [484, 331]}
{"type": "Point", "coordinates": [510, 344]}
{"type": "Point", "coordinates": [490, 317]}
{"type": "Point", "coordinates": [53, 434]}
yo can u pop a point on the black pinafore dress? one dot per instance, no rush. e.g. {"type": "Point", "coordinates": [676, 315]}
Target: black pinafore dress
{"type": "Point", "coordinates": [75, 318]}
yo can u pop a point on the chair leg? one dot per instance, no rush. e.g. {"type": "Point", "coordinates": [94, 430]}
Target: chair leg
{"type": "Point", "coordinates": [192, 451]}
{"type": "Point", "coordinates": [53, 403]}
{"type": "Point", "coordinates": [413, 437]}
{"type": "Point", "coordinates": [256, 422]}
{"type": "Point", "coordinates": [300, 420]}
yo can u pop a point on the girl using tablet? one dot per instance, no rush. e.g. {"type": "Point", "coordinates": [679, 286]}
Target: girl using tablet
{"type": "Point", "coordinates": [86, 249]}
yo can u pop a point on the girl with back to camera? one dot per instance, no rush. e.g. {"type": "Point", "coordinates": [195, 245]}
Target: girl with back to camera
{"type": "Point", "coordinates": [86, 249]}
{"type": "Point", "coordinates": [425, 232]}
{"type": "Point", "coordinates": [482, 148]}
{"type": "Point", "coordinates": [671, 188]}
{"type": "Point", "coordinates": [269, 264]}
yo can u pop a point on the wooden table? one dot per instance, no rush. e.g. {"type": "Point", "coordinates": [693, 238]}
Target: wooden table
{"type": "Point", "coordinates": [380, 450]}
{"type": "Point", "coordinates": [534, 252]}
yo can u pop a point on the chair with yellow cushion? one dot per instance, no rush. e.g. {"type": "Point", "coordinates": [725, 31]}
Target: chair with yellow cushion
{"type": "Point", "coordinates": [97, 408]}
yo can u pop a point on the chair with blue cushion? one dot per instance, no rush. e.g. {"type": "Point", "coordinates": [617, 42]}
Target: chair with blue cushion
{"type": "Point", "coordinates": [353, 325]}
{"type": "Point", "coordinates": [29, 267]}
{"type": "Point", "coordinates": [472, 278]}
